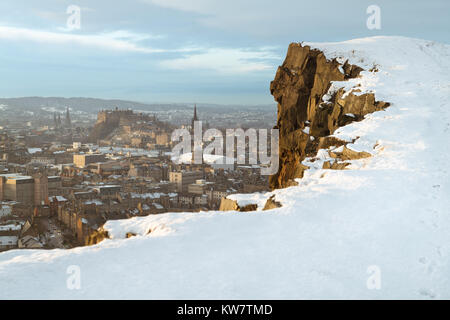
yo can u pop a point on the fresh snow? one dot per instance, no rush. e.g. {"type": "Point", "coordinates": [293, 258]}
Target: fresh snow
{"type": "Point", "coordinates": [34, 150]}
{"type": "Point", "coordinates": [186, 158]}
{"type": "Point", "coordinates": [389, 213]}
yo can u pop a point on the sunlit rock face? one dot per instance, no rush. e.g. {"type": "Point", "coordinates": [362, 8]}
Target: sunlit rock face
{"type": "Point", "coordinates": [308, 110]}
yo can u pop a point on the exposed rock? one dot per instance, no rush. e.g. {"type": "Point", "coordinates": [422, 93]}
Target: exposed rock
{"type": "Point", "coordinates": [232, 205]}
{"type": "Point", "coordinates": [130, 234]}
{"type": "Point", "coordinates": [349, 154]}
{"type": "Point", "coordinates": [326, 142]}
{"type": "Point", "coordinates": [301, 88]}
{"type": "Point", "coordinates": [271, 203]}
{"type": "Point", "coordinates": [249, 207]}
{"type": "Point", "coordinates": [228, 205]}
{"type": "Point", "coordinates": [335, 165]}
{"type": "Point", "coordinates": [97, 236]}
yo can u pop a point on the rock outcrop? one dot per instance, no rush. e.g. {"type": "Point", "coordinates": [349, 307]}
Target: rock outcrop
{"type": "Point", "coordinates": [97, 237]}
{"type": "Point", "coordinates": [308, 112]}
{"type": "Point", "coordinates": [335, 165]}
{"type": "Point", "coordinates": [232, 205]}
{"type": "Point", "coordinates": [272, 204]}
{"type": "Point", "coordinates": [349, 154]}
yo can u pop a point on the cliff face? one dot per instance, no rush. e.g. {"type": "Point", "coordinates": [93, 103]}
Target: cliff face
{"type": "Point", "coordinates": [308, 113]}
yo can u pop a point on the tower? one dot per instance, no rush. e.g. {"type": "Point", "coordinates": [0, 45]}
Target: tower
{"type": "Point", "coordinates": [195, 147]}
{"type": "Point", "coordinates": [68, 123]}
{"type": "Point", "coordinates": [40, 188]}
{"type": "Point", "coordinates": [2, 182]}
{"type": "Point", "coordinates": [55, 121]}
{"type": "Point", "coordinates": [195, 118]}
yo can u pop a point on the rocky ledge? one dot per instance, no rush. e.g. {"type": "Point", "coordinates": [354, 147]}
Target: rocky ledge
{"type": "Point", "coordinates": [309, 112]}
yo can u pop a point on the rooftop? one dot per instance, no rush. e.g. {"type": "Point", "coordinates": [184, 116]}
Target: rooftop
{"type": "Point", "coordinates": [15, 176]}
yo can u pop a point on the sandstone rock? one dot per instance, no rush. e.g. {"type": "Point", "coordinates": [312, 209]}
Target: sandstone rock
{"type": "Point", "coordinates": [335, 165]}
{"type": "Point", "coordinates": [232, 205]}
{"type": "Point", "coordinates": [301, 87]}
{"type": "Point", "coordinates": [97, 236]}
{"type": "Point", "coordinates": [271, 204]}
{"type": "Point", "coordinates": [249, 207]}
{"type": "Point", "coordinates": [349, 154]}
{"type": "Point", "coordinates": [326, 142]}
{"type": "Point", "coordinates": [228, 205]}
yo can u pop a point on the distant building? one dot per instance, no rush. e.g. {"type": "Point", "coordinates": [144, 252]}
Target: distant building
{"type": "Point", "coordinates": [217, 195]}
{"type": "Point", "coordinates": [194, 118]}
{"type": "Point", "coordinates": [198, 187]}
{"type": "Point", "coordinates": [184, 178]}
{"type": "Point", "coordinates": [43, 160]}
{"type": "Point", "coordinates": [68, 122]}
{"type": "Point", "coordinates": [9, 236]}
{"type": "Point", "coordinates": [40, 189]}
{"type": "Point", "coordinates": [29, 242]}
{"type": "Point", "coordinates": [28, 190]}
{"type": "Point", "coordinates": [107, 191]}
{"type": "Point", "coordinates": [17, 188]}
{"type": "Point", "coordinates": [8, 240]}
{"type": "Point", "coordinates": [162, 139]}
{"type": "Point", "coordinates": [82, 160]}
{"type": "Point", "coordinates": [5, 210]}
{"type": "Point", "coordinates": [54, 185]}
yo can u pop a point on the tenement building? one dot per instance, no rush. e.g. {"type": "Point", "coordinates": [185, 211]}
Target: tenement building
{"type": "Point", "coordinates": [82, 160]}
{"type": "Point", "coordinates": [183, 179]}
{"type": "Point", "coordinates": [24, 189]}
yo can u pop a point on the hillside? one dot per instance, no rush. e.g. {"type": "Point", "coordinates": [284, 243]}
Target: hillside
{"type": "Point", "coordinates": [387, 212]}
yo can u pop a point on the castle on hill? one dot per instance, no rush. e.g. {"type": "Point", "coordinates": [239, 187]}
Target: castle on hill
{"type": "Point", "coordinates": [109, 120]}
{"type": "Point", "coordinates": [124, 115]}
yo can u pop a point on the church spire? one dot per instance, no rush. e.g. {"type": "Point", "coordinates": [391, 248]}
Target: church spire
{"type": "Point", "coordinates": [195, 118]}
{"type": "Point", "coordinates": [194, 147]}
{"type": "Point", "coordinates": [68, 121]}
{"type": "Point", "coordinates": [55, 120]}
{"type": "Point", "coordinates": [195, 112]}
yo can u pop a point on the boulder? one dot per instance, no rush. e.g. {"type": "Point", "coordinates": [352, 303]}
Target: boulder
{"type": "Point", "coordinates": [232, 205]}
{"type": "Point", "coordinates": [97, 236]}
{"type": "Point", "coordinates": [335, 165]}
{"type": "Point", "coordinates": [271, 203]}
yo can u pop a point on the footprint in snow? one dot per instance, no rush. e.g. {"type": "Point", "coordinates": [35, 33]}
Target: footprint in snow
{"type": "Point", "coordinates": [427, 293]}
{"type": "Point", "coordinates": [429, 265]}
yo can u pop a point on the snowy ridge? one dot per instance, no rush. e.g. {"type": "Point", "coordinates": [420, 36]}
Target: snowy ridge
{"type": "Point", "coordinates": [391, 210]}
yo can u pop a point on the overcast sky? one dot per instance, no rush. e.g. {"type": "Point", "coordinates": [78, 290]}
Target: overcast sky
{"type": "Point", "coordinates": [217, 51]}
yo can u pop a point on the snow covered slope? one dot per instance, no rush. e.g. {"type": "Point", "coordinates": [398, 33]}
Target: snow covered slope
{"type": "Point", "coordinates": [391, 211]}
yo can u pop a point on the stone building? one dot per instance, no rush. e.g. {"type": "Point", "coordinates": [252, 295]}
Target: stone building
{"type": "Point", "coordinates": [40, 189]}
{"type": "Point", "coordinates": [184, 178]}
{"type": "Point", "coordinates": [198, 187]}
{"type": "Point", "coordinates": [17, 188]}
{"type": "Point", "coordinates": [82, 160]}
{"type": "Point", "coordinates": [29, 190]}
{"type": "Point", "coordinates": [54, 185]}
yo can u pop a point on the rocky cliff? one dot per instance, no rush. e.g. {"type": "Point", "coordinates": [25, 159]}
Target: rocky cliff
{"type": "Point", "coordinates": [310, 109]}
